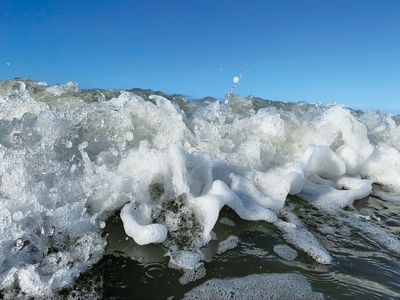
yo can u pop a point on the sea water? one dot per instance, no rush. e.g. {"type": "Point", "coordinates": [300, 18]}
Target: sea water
{"type": "Point", "coordinates": [138, 194]}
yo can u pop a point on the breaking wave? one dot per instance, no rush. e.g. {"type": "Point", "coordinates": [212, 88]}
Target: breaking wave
{"type": "Point", "coordinates": [70, 159]}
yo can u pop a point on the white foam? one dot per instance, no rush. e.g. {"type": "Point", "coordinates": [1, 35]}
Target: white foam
{"type": "Point", "coordinates": [256, 286]}
{"type": "Point", "coordinates": [322, 161]}
{"type": "Point", "coordinates": [381, 236]}
{"type": "Point", "coordinates": [295, 233]}
{"type": "Point", "coordinates": [192, 275]}
{"type": "Point", "coordinates": [137, 225]}
{"type": "Point", "coordinates": [183, 259]}
{"type": "Point", "coordinates": [285, 252]}
{"type": "Point", "coordinates": [208, 207]}
{"type": "Point", "coordinates": [391, 197]}
{"type": "Point", "coordinates": [231, 242]}
{"type": "Point", "coordinates": [383, 166]}
{"type": "Point", "coordinates": [339, 193]}
{"type": "Point", "coordinates": [226, 221]}
{"type": "Point", "coordinates": [69, 159]}
{"type": "Point", "coordinates": [356, 147]}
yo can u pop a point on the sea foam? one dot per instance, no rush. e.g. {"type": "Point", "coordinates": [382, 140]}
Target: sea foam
{"type": "Point", "coordinates": [71, 158]}
{"type": "Point", "coordinates": [257, 286]}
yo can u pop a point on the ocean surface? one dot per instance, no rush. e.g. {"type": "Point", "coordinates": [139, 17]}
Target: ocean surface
{"type": "Point", "coordinates": [138, 194]}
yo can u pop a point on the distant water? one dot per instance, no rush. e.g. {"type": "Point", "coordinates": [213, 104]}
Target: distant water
{"type": "Point", "coordinates": [136, 194]}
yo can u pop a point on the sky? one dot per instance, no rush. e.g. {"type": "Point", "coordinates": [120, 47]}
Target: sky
{"type": "Point", "coordinates": [312, 50]}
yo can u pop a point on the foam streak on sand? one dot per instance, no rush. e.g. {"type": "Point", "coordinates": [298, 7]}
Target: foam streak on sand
{"type": "Point", "coordinates": [70, 159]}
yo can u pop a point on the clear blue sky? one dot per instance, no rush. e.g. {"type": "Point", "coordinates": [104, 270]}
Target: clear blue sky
{"type": "Point", "coordinates": [317, 51]}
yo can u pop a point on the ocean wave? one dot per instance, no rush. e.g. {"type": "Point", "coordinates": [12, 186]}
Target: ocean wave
{"type": "Point", "coordinates": [70, 159]}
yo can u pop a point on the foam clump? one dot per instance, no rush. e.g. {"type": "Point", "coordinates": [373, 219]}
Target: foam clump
{"type": "Point", "coordinates": [285, 252]}
{"type": "Point", "coordinates": [71, 158]}
{"type": "Point", "coordinates": [191, 275]}
{"type": "Point", "coordinates": [188, 260]}
{"type": "Point", "coordinates": [381, 236]}
{"type": "Point", "coordinates": [231, 242]}
{"type": "Point", "coordinates": [339, 193]}
{"type": "Point", "coordinates": [208, 207]}
{"type": "Point", "coordinates": [137, 225]}
{"type": "Point", "coordinates": [383, 166]}
{"type": "Point", "coordinates": [256, 286]}
{"type": "Point", "coordinates": [296, 233]}
{"type": "Point", "coordinates": [226, 221]}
